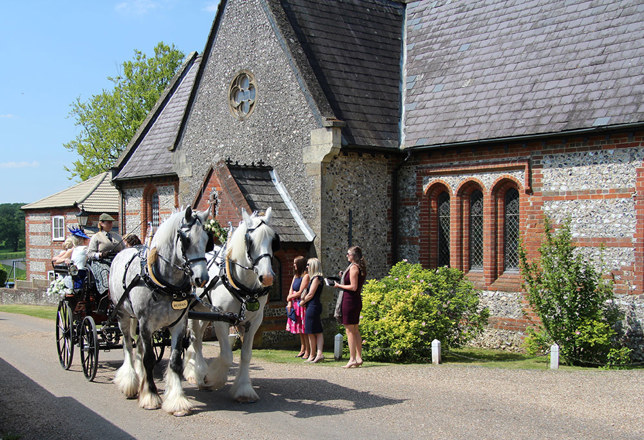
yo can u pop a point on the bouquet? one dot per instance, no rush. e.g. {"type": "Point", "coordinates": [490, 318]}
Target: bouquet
{"type": "Point", "coordinates": [213, 228]}
{"type": "Point", "coordinates": [58, 287]}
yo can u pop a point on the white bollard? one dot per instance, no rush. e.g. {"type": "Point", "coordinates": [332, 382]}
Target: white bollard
{"type": "Point", "coordinates": [337, 347]}
{"type": "Point", "coordinates": [554, 357]}
{"type": "Point", "coordinates": [436, 351]}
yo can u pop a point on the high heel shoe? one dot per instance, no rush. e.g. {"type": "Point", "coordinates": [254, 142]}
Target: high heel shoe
{"type": "Point", "coordinates": [317, 360]}
{"type": "Point", "coordinates": [358, 364]}
{"type": "Point", "coordinates": [299, 355]}
{"type": "Point", "coordinates": [350, 365]}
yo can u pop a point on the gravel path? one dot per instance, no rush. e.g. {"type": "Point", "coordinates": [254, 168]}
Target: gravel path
{"type": "Point", "coordinates": [40, 400]}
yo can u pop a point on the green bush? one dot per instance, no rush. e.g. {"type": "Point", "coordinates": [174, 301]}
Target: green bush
{"type": "Point", "coordinates": [3, 276]}
{"type": "Point", "coordinates": [574, 302]}
{"type": "Point", "coordinates": [403, 312]}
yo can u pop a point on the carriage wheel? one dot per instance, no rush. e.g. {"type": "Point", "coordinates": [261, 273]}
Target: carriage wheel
{"type": "Point", "coordinates": [160, 339]}
{"type": "Point", "coordinates": [89, 348]}
{"type": "Point", "coordinates": [64, 334]}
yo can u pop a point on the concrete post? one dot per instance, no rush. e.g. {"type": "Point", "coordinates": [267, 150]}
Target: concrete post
{"type": "Point", "coordinates": [554, 357]}
{"type": "Point", "coordinates": [436, 351]}
{"type": "Point", "coordinates": [337, 347]}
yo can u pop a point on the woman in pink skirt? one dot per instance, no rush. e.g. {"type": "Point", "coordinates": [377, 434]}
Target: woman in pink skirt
{"type": "Point", "coordinates": [297, 314]}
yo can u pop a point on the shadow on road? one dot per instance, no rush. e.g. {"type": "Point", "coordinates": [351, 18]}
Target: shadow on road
{"type": "Point", "coordinates": [302, 398]}
{"type": "Point", "coordinates": [29, 411]}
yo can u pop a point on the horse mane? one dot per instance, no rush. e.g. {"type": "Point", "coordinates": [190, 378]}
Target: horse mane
{"type": "Point", "coordinates": [167, 229]}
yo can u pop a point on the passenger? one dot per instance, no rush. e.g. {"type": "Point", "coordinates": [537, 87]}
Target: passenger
{"type": "Point", "coordinates": [132, 240]}
{"type": "Point", "coordinates": [79, 252]}
{"type": "Point", "coordinates": [65, 255]}
{"type": "Point", "coordinates": [103, 246]}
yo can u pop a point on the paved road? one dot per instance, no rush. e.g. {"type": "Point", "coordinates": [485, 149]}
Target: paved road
{"type": "Point", "coordinates": [39, 400]}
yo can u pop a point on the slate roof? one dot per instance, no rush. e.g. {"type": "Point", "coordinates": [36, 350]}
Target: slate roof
{"type": "Point", "coordinates": [502, 68]}
{"type": "Point", "coordinates": [148, 154]}
{"type": "Point", "coordinates": [261, 188]}
{"type": "Point", "coordinates": [354, 48]}
{"type": "Point", "coordinates": [96, 194]}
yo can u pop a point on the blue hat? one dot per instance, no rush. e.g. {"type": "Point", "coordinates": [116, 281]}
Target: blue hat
{"type": "Point", "coordinates": [78, 232]}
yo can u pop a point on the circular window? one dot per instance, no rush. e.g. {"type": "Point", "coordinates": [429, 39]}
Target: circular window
{"type": "Point", "coordinates": [242, 95]}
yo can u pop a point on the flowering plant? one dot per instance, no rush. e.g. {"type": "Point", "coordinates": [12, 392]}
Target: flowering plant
{"type": "Point", "coordinates": [57, 287]}
{"type": "Point", "coordinates": [213, 228]}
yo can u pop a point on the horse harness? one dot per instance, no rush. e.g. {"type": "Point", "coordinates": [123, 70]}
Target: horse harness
{"type": "Point", "coordinates": [179, 294]}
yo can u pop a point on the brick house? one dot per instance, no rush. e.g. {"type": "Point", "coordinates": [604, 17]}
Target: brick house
{"type": "Point", "coordinates": [435, 131]}
{"type": "Point", "coordinates": [47, 221]}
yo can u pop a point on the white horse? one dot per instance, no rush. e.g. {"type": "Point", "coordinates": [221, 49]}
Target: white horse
{"type": "Point", "coordinates": [242, 290]}
{"type": "Point", "coordinates": [155, 293]}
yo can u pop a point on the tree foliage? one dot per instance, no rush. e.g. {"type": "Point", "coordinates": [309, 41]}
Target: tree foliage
{"type": "Point", "coordinates": [574, 302]}
{"type": "Point", "coordinates": [12, 226]}
{"type": "Point", "coordinates": [109, 120]}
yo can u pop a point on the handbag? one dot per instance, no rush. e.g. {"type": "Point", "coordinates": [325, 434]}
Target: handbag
{"type": "Point", "coordinates": [338, 307]}
{"type": "Point", "coordinates": [337, 314]}
{"type": "Point", "coordinates": [292, 315]}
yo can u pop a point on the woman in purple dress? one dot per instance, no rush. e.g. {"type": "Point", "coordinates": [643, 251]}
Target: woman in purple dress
{"type": "Point", "coordinates": [351, 284]}
{"type": "Point", "coordinates": [298, 285]}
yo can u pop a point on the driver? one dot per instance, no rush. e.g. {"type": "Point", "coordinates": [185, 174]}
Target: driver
{"type": "Point", "coordinates": [103, 246]}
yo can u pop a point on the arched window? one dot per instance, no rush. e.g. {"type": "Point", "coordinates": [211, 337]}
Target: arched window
{"type": "Point", "coordinates": [476, 230]}
{"type": "Point", "coordinates": [443, 229]}
{"type": "Point", "coordinates": [511, 230]}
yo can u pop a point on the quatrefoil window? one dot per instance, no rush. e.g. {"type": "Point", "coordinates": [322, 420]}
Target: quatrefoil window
{"type": "Point", "coordinates": [242, 95]}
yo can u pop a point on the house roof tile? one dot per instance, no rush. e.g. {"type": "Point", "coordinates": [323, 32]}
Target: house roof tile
{"type": "Point", "coordinates": [510, 68]}
{"type": "Point", "coordinates": [148, 154]}
{"type": "Point", "coordinates": [96, 194]}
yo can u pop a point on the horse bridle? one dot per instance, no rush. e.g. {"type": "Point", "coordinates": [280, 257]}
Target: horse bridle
{"type": "Point", "coordinates": [185, 243]}
{"type": "Point", "coordinates": [275, 245]}
{"type": "Point", "coordinates": [186, 268]}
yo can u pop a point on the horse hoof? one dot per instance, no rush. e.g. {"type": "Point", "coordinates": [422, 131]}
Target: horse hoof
{"type": "Point", "coordinates": [182, 413]}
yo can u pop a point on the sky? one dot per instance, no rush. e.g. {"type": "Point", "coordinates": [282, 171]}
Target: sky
{"type": "Point", "coordinates": [56, 51]}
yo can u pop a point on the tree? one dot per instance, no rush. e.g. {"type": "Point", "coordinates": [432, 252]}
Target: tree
{"type": "Point", "coordinates": [110, 119]}
{"type": "Point", "coordinates": [12, 225]}
{"type": "Point", "coordinates": [574, 302]}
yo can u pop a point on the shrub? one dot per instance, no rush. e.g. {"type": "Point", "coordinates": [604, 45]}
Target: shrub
{"type": "Point", "coordinates": [403, 312]}
{"type": "Point", "coordinates": [3, 276]}
{"type": "Point", "coordinates": [574, 302]}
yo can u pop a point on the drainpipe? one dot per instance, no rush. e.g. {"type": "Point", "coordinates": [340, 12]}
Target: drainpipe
{"type": "Point", "coordinates": [394, 209]}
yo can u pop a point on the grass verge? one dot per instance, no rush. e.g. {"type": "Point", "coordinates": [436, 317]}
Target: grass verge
{"type": "Point", "coordinates": [467, 356]}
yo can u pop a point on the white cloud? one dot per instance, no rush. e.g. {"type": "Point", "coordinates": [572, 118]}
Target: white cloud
{"type": "Point", "coordinates": [9, 115]}
{"type": "Point", "coordinates": [136, 7]}
{"type": "Point", "coordinates": [33, 164]}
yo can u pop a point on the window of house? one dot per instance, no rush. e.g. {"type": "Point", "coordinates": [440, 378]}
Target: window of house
{"type": "Point", "coordinates": [511, 230]}
{"type": "Point", "coordinates": [443, 229]}
{"type": "Point", "coordinates": [476, 230]}
{"type": "Point", "coordinates": [58, 228]}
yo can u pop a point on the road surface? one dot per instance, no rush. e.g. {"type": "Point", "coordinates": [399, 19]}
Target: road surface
{"type": "Point", "coordinates": [39, 400]}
